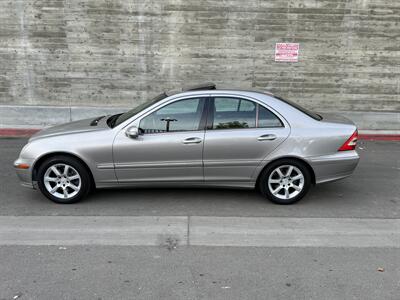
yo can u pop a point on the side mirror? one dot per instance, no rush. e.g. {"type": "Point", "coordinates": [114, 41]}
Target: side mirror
{"type": "Point", "coordinates": [132, 132]}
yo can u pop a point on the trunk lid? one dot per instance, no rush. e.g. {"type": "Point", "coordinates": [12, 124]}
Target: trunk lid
{"type": "Point", "coordinates": [335, 118]}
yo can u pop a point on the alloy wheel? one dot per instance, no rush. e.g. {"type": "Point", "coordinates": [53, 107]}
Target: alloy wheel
{"type": "Point", "coordinates": [286, 182]}
{"type": "Point", "coordinates": [62, 181]}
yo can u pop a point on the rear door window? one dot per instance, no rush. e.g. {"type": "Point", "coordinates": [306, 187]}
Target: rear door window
{"type": "Point", "coordinates": [230, 113]}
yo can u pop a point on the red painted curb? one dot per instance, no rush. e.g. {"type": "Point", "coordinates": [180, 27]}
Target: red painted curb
{"type": "Point", "coordinates": [21, 132]}
{"type": "Point", "coordinates": [17, 132]}
{"type": "Point", "coordinates": [379, 137]}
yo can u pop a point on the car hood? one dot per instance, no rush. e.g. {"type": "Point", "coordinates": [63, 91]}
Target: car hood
{"type": "Point", "coordinates": [80, 126]}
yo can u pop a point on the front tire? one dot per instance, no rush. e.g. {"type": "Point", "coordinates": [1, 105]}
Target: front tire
{"type": "Point", "coordinates": [63, 179]}
{"type": "Point", "coordinates": [285, 181]}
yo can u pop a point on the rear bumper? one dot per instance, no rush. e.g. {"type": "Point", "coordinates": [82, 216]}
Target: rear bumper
{"type": "Point", "coordinates": [335, 166]}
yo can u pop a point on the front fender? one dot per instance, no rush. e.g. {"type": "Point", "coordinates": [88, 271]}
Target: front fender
{"type": "Point", "coordinates": [92, 148]}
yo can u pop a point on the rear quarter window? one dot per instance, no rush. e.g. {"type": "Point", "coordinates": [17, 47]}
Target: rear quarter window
{"type": "Point", "coordinates": [266, 118]}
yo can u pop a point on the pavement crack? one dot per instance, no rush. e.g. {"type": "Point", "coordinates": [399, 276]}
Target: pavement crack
{"type": "Point", "coordinates": [188, 232]}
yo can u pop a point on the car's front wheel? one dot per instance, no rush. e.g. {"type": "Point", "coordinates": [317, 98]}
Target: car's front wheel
{"type": "Point", "coordinates": [285, 181]}
{"type": "Point", "coordinates": [63, 179]}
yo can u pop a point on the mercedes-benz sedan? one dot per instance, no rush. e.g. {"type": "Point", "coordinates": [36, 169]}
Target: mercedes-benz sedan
{"type": "Point", "coordinates": [201, 137]}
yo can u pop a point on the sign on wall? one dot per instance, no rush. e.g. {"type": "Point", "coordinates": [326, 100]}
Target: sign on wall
{"type": "Point", "coordinates": [288, 52]}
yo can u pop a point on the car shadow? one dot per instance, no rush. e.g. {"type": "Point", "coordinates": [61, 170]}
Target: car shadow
{"type": "Point", "coordinates": [338, 191]}
{"type": "Point", "coordinates": [338, 199]}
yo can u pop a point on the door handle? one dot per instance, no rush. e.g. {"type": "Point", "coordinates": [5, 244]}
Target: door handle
{"type": "Point", "coordinates": [192, 140]}
{"type": "Point", "coordinates": [267, 137]}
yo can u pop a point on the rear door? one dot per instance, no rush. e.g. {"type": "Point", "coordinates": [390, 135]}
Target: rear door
{"type": "Point", "coordinates": [240, 134]}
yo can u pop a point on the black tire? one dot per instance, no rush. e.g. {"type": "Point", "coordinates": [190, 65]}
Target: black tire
{"type": "Point", "coordinates": [86, 182]}
{"type": "Point", "coordinates": [265, 175]}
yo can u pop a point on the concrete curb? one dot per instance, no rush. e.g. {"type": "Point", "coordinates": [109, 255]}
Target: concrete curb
{"type": "Point", "coordinates": [42, 116]}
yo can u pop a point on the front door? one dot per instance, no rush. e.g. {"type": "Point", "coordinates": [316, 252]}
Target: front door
{"type": "Point", "coordinates": [168, 150]}
{"type": "Point", "coordinates": [240, 134]}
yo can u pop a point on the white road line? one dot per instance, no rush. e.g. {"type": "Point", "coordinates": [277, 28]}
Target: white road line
{"type": "Point", "coordinates": [203, 231]}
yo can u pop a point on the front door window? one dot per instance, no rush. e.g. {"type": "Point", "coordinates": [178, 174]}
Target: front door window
{"type": "Point", "coordinates": [182, 115]}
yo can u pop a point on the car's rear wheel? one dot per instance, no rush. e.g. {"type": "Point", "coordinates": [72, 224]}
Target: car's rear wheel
{"type": "Point", "coordinates": [63, 179]}
{"type": "Point", "coordinates": [285, 181]}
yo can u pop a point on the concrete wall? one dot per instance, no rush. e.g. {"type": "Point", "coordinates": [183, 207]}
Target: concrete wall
{"type": "Point", "coordinates": [121, 52]}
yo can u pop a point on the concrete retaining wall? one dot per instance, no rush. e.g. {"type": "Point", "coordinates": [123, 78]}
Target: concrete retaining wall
{"type": "Point", "coordinates": [42, 116]}
{"type": "Point", "coordinates": [72, 53]}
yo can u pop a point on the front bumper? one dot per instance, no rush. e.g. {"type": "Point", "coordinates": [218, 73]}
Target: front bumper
{"type": "Point", "coordinates": [335, 166]}
{"type": "Point", "coordinates": [25, 175]}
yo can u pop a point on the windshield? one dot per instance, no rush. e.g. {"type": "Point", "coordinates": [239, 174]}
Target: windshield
{"type": "Point", "coordinates": [309, 113]}
{"type": "Point", "coordinates": [118, 119]}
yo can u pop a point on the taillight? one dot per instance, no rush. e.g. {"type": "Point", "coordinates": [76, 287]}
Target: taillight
{"type": "Point", "coordinates": [351, 143]}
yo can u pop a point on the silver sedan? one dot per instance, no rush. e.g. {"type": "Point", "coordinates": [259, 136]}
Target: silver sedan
{"type": "Point", "coordinates": [200, 137]}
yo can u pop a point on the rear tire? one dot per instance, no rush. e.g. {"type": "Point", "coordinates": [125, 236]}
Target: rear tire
{"type": "Point", "coordinates": [285, 181]}
{"type": "Point", "coordinates": [64, 179]}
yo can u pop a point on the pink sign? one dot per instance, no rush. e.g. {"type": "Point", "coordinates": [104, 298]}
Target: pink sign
{"type": "Point", "coordinates": [288, 52]}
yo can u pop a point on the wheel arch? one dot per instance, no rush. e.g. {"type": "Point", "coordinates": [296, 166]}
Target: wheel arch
{"type": "Point", "coordinates": [39, 161]}
{"type": "Point", "coordinates": [301, 160]}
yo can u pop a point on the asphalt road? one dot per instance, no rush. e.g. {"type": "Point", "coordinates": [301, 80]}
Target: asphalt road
{"type": "Point", "coordinates": [373, 191]}
{"type": "Point", "coordinates": [340, 242]}
{"type": "Point", "coordinates": [107, 272]}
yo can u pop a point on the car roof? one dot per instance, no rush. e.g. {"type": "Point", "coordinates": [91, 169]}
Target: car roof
{"type": "Point", "coordinates": [210, 87]}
